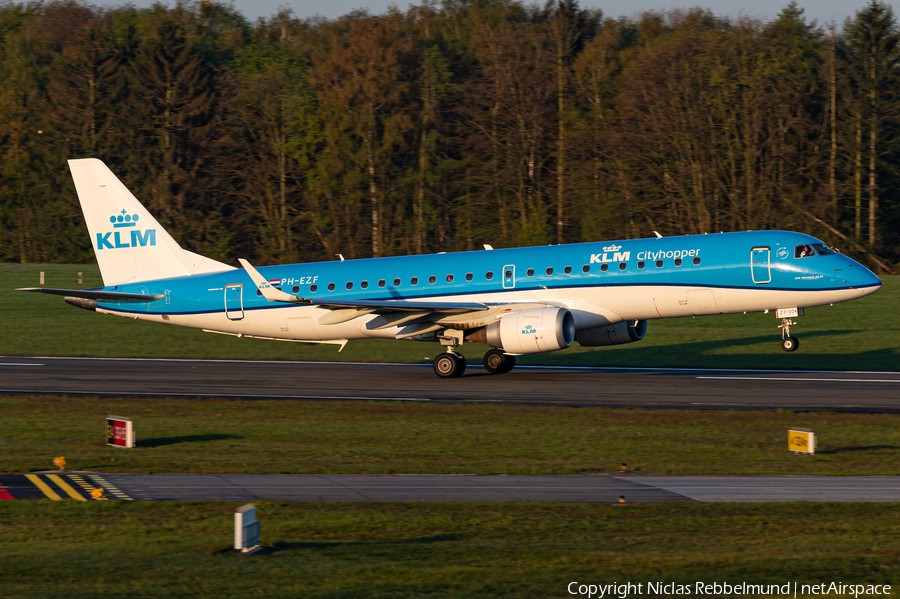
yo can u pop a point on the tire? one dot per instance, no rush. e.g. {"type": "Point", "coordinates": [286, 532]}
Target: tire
{"type": "Point", "coordinates": [790, 344]}
{"type": "Point", "coordinates": [494, 360]}
{"type": "Point", "coordinates": [446, 365]}
{"type": "Point", "coordinates": [508, 364]}
{"type": "Point", "coordinates": [462, 365]}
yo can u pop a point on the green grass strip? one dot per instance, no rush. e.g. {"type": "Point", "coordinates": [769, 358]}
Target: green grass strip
{"type": "Point", "coordinates": [216, 435]}
{"type": "Point", "coordinates": [447, 550]}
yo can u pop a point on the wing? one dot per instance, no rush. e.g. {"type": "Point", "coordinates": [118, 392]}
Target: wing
{"type": "Point", "coordinates": [93, 294]}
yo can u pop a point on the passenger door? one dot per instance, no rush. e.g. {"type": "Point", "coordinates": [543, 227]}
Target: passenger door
{"type": "Point", "coordinates": [760, 270]}
{"type": "Point", "coordinates": [234, 302]}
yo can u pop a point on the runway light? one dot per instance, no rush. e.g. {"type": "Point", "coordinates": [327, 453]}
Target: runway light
{"type": "Point", "coordinates": [59, 462]}
{"type": "Point", "coordinates": [621, 499]}
{"type": "Point", "coordinates": [97, 493]}
{"type": "Point", "coordinates": [624, 467]}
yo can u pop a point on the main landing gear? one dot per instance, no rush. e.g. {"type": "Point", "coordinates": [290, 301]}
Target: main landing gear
{"type": "Point", "coordinates": [451, 364]}
{"type": "Point", "coordinates": [497, 362]}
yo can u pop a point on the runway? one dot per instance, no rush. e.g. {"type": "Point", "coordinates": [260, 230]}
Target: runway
{"type": "Point", "coordinates": [612, 489]}
{"type": "Point", "coordinates": [571, 386]}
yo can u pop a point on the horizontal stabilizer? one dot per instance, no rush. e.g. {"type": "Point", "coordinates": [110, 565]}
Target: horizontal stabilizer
{"type": "Point", "coordinates": [103, 296]}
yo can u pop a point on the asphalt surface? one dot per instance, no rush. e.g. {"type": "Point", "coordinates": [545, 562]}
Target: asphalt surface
{"type": "Point", "coordinates": [633, 488]}
{"type": "Point", "coordinates": [573, 386]}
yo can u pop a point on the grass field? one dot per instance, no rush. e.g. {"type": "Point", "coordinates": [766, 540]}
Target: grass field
{"type": "Point", "coordinates": [447, 550]}
{"type": "Point", "coordinates": [177, 435]}
{"type": "Point", "coordinates": [860, 335]}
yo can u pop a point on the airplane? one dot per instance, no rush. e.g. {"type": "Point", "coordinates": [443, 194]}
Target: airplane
{"type": "Point", "coordinates": [517, 301]}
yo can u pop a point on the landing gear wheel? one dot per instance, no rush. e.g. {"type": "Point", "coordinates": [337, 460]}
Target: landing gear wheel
{"type": "Point", "coordinates": [790, 344]}
{"type": "Point", "coordinates": [462, 364]}
{"type": "Point", "coordinates": [497, 362]}
{"type": "Point", "coordinates": [449, 365]}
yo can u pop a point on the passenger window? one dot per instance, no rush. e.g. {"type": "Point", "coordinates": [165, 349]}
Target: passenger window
{"type": "Point", "coordinates": [330, 286]}
{"type": "Point", "coordinates": [414, 281]}
{"type": "Point", "coordinates": [313, 288]}
{"type": "Point", "coordinates": [659, 264]}
{"type": "Point", "coordinates": [396, 282]}
{"type": "Point", "coordinates": [468, 276]}
{"type": "Point", "coordinates": [641, 265]}
{"type": "Point", "coordinates": [697, 261]}
{"type": "Point", "coordinates": [622, 265]}
{"type": "Point", "coordinates": [530, 272]}
{"type": "Point", "coordinates": [677, 261]}
{"type": "Point", "coordinates": [586, 268]}
{"type": "Point", "coordinates": [449, 278]}
{"type": "Point", "coordinates": [488, 275]}
{"type": "Point", "coordinates": [604, 267]}
{"type": "Point", "coordinates": [432, 279]}
{"type": "Point", "coordinates": [381, 283]}
{"type": "Point", "coordinates": [549, 270]}
{"type": "Point", "coordinates": [349, 285]}
{"type": "Point", "coordinates": [364, 285]}
{"type": "Point", "coordinates": [508, 274]}
{"type": "Point", "coordinates": [803, 251]}
{"type": "Point", "coordinates": [295, 289]}
{"type": "Point", "coordinates": [568, 270]}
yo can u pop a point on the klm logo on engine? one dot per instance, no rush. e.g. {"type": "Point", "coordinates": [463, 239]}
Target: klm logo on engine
{"type": "Point", "coordinates": [617, 256]}
{"type": "Point", "coordinates": [529, 330]}
{"type": "Point", "coordinates": [118, 239]}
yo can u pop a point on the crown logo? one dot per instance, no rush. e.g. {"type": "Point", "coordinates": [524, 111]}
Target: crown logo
{"type": "Point", "coordinates": [123, 220]}
{"type": "Point", "coordinates": [612, 248]}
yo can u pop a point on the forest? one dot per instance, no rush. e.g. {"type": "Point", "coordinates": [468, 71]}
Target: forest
{"type": "Point", "coordinates": [447, 125]}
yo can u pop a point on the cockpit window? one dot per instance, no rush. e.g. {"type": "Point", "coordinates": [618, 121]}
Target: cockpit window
{"type": "Point", "coordinates": [823, 249]}
{"type": "Point", "coordinates": [804, 251]}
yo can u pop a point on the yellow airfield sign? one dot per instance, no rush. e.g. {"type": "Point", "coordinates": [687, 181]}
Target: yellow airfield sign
{"type": "Point", "coordinates": [801, 441]}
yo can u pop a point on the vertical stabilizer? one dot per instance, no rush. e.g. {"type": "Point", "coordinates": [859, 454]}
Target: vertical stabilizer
{"type": "Point", "coordinates": [129, 244]}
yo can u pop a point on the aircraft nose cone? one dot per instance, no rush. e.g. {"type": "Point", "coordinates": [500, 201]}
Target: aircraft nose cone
{"type": "Point", "coordinates": [865, 278]}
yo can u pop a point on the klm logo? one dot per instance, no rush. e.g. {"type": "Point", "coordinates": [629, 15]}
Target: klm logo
{"type": "Point", "coordinates": [529, 330]}
{"type": "Point", "coordinates": [118, 239]}
{"type": "Point", "coordinates": [614, 250]}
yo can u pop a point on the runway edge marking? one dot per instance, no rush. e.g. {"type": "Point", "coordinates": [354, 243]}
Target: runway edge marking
{"type": "Point", "coordinates": [44, 487]}
{"type": "Point", "coordinates": [109, 487]}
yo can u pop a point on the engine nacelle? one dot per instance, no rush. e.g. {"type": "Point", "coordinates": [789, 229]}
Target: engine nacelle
{"type": "Point", "coordinates": [530, 331]}
{"type": "Point", "coordinates": [614, 334]}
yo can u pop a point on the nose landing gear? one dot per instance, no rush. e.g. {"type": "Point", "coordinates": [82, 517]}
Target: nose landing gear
{"type": "Point", "coordinates": [788, 343]}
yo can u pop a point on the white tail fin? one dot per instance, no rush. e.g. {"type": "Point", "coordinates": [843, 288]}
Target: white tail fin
{"type": "Point", "coordinates": [129, 244]}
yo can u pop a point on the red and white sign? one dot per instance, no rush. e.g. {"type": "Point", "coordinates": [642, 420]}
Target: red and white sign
{"type": "Point", "coordinates": [119, 432]}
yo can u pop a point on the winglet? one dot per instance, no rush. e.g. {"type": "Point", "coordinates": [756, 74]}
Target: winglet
{"type": "Point", "coordinates": [269, 292]}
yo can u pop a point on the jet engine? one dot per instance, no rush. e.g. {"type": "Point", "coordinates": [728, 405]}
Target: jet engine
{"type": "Point", "coordinates": [628, 331]}
{"type": "Point", "coordinates": [529, 331]}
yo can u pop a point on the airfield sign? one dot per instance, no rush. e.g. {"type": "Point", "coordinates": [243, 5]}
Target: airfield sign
{"type": "Point", "coordinates": [802, 441]}
{"type": "Point", "coordinates": [119, 432]}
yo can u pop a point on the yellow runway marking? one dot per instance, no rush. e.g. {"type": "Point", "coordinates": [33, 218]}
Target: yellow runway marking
{"type": "Point", "coordinates": [112, 489]}
{"type": "Point", "coordinates": [84, 485]}
{"type": "Point", "coordinates": [66, 487]}
{"type": "Point", "coordinates": [36, 480]}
